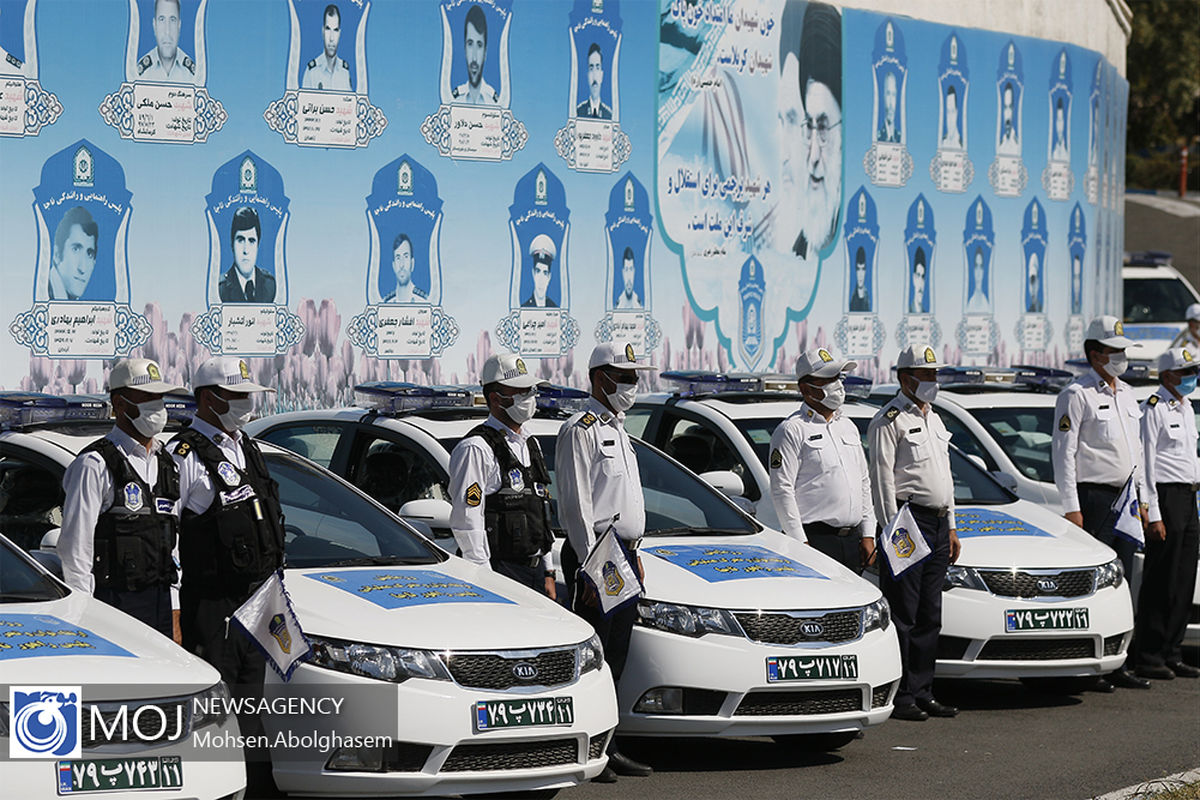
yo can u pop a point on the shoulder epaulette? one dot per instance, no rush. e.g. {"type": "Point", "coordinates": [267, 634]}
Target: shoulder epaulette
{"type": "Point", "coordinates": [183, 448]}
{"type": "Point", "coordinates": [587, 420]}
{"type": "Point", "coordinates": [891, 413]}
{"type": "Point", "coordinates": [454, 92]}
{"type": "Point", "coordinates": [16, 62]}
{"type": "Point", "coordinates": [312, 64]}
{"type": "Point", "coordinates": [419, 292]}
{"type": "Point", "coordinates": [1153, 401]}
{"type": "Point", "coordinates": [345, 65]}
{"type": "Point", "coordinates": [495, 97]}
{"type": "Point", "coordinates": [144, 64]}
{"type": "Point", "coordinates": [189, 65]}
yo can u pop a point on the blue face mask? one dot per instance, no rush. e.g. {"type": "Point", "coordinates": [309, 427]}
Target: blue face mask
{"type": "Point", "coordinates": [1187, 385]}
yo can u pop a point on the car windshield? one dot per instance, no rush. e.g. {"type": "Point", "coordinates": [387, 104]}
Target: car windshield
{"type": "Point", "coordinates": [758, 433]}
{"type": "Point", "coordinates": [22, 582]}
{"type": "Point", "coordinates": [1025, 434]}
{"type": "Point", "coordinates": [1156, 300]}
{"type": "Point", "coordinates": [677, 502]}
{"type": "Point", "coordinates": [329, 523]}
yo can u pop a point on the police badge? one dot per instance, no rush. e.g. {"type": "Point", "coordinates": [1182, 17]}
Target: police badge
{"type": "Point", "coordinates": [516, 479]}
{"type": "Point", "coordinates": [133, 497]}
{"type": "Point", "coordinates": [902, 543]}
{"type": "Point", "coordinates": [613, 582]}
{"type": "Point", "coordinates": [278, 630]}
{"type": "Point", "coordinates": [229, 474]}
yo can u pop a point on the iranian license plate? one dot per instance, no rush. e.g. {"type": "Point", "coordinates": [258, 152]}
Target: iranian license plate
{"type": "Point", "coordinates": [490, 715]}
{"type": "Point", "coordinates": [811, 668]}
{"type": "Point", "coordinates": [82, 776]}
{"type": "Point", "coordinates": [1050, 619]}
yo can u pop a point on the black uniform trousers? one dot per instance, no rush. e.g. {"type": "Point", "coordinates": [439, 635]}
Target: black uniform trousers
{"type": "Point", "coordinates": [614, 630]}
{"type": "Point", "coordinates": [1168, 578]}
{"type": "Point", "coordinates": [1095, 503]}
{"type": "Point", "coordinates": [842, 549]}
{"type": "Point", "coordinates": [532, 576]}
{"type": "Point", "coordinates": [151, 605]}
{"type": "Point", "coordinates": [915, 598]}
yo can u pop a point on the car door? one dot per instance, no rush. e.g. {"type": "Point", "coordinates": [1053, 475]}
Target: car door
{"type": "Point", "coordinates": [31, 497]}
{"type": "Point", "coordinates": [396, 471]}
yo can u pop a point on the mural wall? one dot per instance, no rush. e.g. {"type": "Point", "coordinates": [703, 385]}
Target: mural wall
{"type": "Point", "coordinates": [355, 190]}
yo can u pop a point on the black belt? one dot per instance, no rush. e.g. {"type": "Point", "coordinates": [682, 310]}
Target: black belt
{"type": "Point", "coordinates": [1189, 487]}
{"type": "Point", "coordinates": [532, 561]}
{"type": "Point", "coordinates": [939, 511]}
{"type": "Point", "coordinates": [1100, 486]}
{"type": "Point", "coordinates": [825, 529]}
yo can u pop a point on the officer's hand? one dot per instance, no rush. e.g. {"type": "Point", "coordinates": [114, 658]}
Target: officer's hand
{"type": "Point", "coordinates": [641, 570]}
{"type": "Point", "coordinates": [551, 588]}
{"type": "Point", "coordinates": [866, 549]}
{"type": "Point", "coordinates": [587, 594]}
{"type": "Point", "coordinates": [955, 546]}
{"type": "Point", "coordinates": [176, 631]}
{"type": "Point", "coordinates": [1075, 517]}
{"type": "Point", "coordinates": [1156, 532]}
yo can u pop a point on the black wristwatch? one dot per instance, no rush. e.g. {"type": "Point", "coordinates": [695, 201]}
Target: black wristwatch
{"type": "Point", "coordinates": [551, 573]}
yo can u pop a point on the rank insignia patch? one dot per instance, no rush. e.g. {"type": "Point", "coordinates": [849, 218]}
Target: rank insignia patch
{"type": "Point", "coordinates": [776, 459]}
{"type": "Point", "coordinates": [1064, 424]}
{"type": "Point", "coordinates": [474, 495]}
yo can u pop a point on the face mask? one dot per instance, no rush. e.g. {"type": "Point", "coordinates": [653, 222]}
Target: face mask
{"type": "Point", "coordinates": [1186, 386]}
{"type": "Point", "coordinates": [926, 391]}
{"type": "Point", "coordinates": [522, 408]}
{"type": "Point", "coordinates": [1116, 366]}
{"type": "Point", "coordinates": [151, 418]}
{"type": "Point", "coordinates": [621, 398]}
{"type": "Point", "coordinates": [835, 395]}
{"type": "Point", "coordinates": [238, 413]}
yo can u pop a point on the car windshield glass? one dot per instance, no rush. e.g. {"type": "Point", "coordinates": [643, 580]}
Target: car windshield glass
{"type": "Point", "coordinates": [327, 522]}
{"type": "Point", "coordinates": [21, 582]}
{"type": "Point", "coordinates": [1156, 300]}
{"type": "Point", "coordinates": [1025, 434]}
{"type": "Point", "coordinates": [758, 433]}
{"type": "Point", "coordinates": [677, 502]}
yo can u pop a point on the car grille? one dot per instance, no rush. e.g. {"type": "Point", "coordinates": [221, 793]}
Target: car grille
{"type": "Point", "coordinates": [776, 628]}
{"type": "Point", "coordinates": [879, 695]}
{"type": "Point", "coordinates": [1037, 649]}
{"type": "Point", "coordinates": [952, 648]}
{"type": "Point", "coordinates": [596, 745]}
{"type": "Point", "coordinates": [1112, 644]}
{"type": "Point", "coordinates": [178, 713]}
{"type": "Point", "coordinates": [496, 670]}
{"type": "Point", "coordinates": [488, 757]}
{"type": "Point", "coordinates": [784, 704]}
{"type": "Point", "coordinates": [1069, 583]}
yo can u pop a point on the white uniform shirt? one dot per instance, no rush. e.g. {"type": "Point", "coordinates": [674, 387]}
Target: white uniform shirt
{"type": "Point", "coordinates": [820, 467]}
{"type": "Point", "coordinates": [473, 463]}
{"type": "Point", "coordinates": [181, 70]}
{"type": "Point", "coordinates": [327, 74]}
{"type": "Point", "coordinates": [910, 459]}
{"type": "Point", "coordinates": [598, 479]}
{"type": "Point", "coordinates": [196, 492]}
{"type": "Point", "coordinates": [1169, 440]}
{"type": "Point", "coordinates": [1096, 438]}
{"type": "Point", "coordinates": [89, 493]}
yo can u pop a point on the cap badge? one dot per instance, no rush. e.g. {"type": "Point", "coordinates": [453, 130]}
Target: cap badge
{"type": "Point", "coordinates": [824, 354]}
{"type": "Point", "coordinates": [930, 358]}
{"type": "Point", "coordinates": [244, 368]}
{"type": "Point", "coordinates": [629, 353]}
{"type": "Point", "coordinates": [1119, 329]}
{"type": "Point", "coordinates": [1187, 355]}
{"type": "Point", "coordinates": [521, 367]}
{"type": "Point", "coordinates": [152, 371]}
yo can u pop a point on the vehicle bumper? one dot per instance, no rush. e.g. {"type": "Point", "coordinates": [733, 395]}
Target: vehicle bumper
{"type": "Point", "coordinates": [433, 721]}
{"type": "Point", "coordinates": [974, 643]}
{"type": "Point", "coordinates": [735, 667]}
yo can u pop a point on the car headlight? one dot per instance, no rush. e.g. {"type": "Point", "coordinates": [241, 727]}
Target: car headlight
{"type": "Point", "coordinates": [686, 620]}
{"type": "Point", "coordinates": [210, 707]}
{"type": "Point", "coordinates": [591, 655]}
{"type": "Point", "coordinates": [963, 578]}
{"type": "Point", "coordinates": [877, 615]}
{"type": "Point", "coordinates": [396, 664]}
{"type": "Point", "coordinates": [1110, 574]}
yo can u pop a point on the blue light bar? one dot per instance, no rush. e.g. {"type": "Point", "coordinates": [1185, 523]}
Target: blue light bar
{"type": "Point", "coordinates": [1043, 377]}
{"type": "Point", "coordinates": [395, 397]}
{"type": "Point", "coordinates": [694, 382]}
{"type": "Point", "coordinates": [87, 407]}
{"type": "Point", "coordinates": [180, 406]}
{"type": "Point", "coordinates": [857, 386]}
{"type": "Point", "coordinates": [29, 408]}
{"type": "Point", "coordinates": [562, 399]}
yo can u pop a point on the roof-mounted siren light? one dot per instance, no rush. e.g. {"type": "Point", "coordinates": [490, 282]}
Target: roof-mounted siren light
{"type": "Point", "coordinates": [561, 399]}
{"type": "Point", "coordinates": [394, 397]}
{"type": "Point", "coordinates": [83, 407]}
{"type": "Point", "coordinates": [29, 408]}
{"type": "Point", "coordinates": [694, 382]}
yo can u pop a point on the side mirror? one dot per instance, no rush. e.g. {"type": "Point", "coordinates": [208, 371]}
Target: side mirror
{"type": "Point", "coordinates": [726, 482]}
{"type": "Point", "coordinates": [50, 540]}
{"type": "Point", "coordinates": [978, 460]}
{"type": "Point", "coordinates": [1007, 481]}
{"type": "Point", "coordinates": [434, 514]}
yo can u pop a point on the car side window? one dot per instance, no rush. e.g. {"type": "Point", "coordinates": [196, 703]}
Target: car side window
{"type": "Point", "coordinates": [964, 440]}
{"type": "Point", "coordinates": [316, 442]}
{"type": "Point", "coordinates": [702, 448]}
{"type": "Point", "coordinates": [31, 500]}
{"type": "Point", "coordinates": [636, 420]}
{"type": "Point", "coordinates": [394, 472]}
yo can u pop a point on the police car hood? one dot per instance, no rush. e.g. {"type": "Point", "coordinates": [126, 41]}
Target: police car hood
{"type": "Point", "coordinates": [1024, 535]}
{"type": "Point", "coordinates": [80, 641]}
{"type": "Point", "coordinates": [451, 605]}
{"type": "Point", "coordinates": [766, 570]}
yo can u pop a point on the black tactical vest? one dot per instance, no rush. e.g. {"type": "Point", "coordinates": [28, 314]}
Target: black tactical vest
{"type": "Point", "coordinates": [135, 537]}
{"type": "Point", "coordinates": [517, 517]}
{"type": "Point", "coordinates": [237, 542]}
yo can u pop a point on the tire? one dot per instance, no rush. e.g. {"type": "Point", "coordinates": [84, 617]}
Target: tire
{"type": "Point", "coordinates": [816, 742]}
{"type": "Point", "coordinates": [1073, 685]}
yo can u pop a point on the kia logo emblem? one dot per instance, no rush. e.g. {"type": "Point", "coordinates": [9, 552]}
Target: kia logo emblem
{"type": "Point", "coordinates": [811, 629]}
{"type": "Point", "coordinates": [1047, 584]}
{"type": "Point", "coordinates": [524, 671]}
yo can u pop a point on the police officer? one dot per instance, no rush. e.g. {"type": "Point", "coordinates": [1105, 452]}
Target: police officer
{"type": "Point", "coordinates": [327, 72]}
{"type": "Point", "coordinates": [1096, 447]}
{"type": "Point", "coordinates": [599, 486]}
{"type": "Point", "coordinates": [119, 523]}
{"type": "Point", "coordinates": [818, 465]}
{"type": "Point", "coordinates": [499, 482]}
{"type": "Point", "coordinates": [1189, 337]}
{"type": "Point", "coordinates": [1173, 535]}
{"type": "Point", "coordinates": [167, 62]}
{"type": "Point", "coordinates": [910, 462]}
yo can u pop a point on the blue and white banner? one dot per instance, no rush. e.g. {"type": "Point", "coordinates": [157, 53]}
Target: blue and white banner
{"type": "Point", "coordinates": [1127, 519]}
{"type": "Point", "coordinates": [612, 574]}
{"type": "Point", "coordinates": [903, 543]}
{"type": "Point", "coordinates": [268, 619]}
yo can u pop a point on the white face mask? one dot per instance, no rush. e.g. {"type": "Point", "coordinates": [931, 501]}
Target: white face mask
{"type": "Point", "coordinates": [835, 395]}
{"type": "Point", "coordinates": [926, 391]}
{"type": "Point", "coordinates": [1116, 366]}
{"type": "Point", "coordinates": [238, 414]}
{"type": "Point", "coordinates": [523, 407]}
{"type": "Point", "coordinates": [151, 418]}
{"type": "Point", "coordinates": [622, 397]}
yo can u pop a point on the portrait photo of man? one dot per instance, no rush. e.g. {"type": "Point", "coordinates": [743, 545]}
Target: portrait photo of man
{"type": "Point", "coordinates": [951, 136]}
{"type": "Point", "coordinates": [328, 72]}
{"type": "Point", "coordinates": [475, 91]}
{"type": "Point", "coordinates": [166, 63]}
{"type": "Point", "coordinates": [245, 282]}
{"type": "Point", "coordinates": [543, 252]}
{"type": "Point", "coordinates": [628, 299]}
{"type": "Point", "coordinates": [1059, 152]}
{"type": "Point", "coordinates": [977, 292]}
{"type": "Point", "coordinates": [918, 300]}
{"type": "Point", "coordinates": [809, 103]}
{"type": "Point", "coordinates": [1010, 143]}
{"type": "Point", "coordinates": [889, 128]}
{"type": "Point", "coordinates": [1033, 286]}
{"type": "Point", "coordinates": [591, 107]}
{"type": "Point", "coordinates": [860, 295]}
{"type": "Point", "coordinates": [73, 259]}
{"type": "Point", "coordinates": [402, 267]}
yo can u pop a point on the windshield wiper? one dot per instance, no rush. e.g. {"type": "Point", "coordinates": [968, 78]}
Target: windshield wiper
{"type": "Point", "coordinates": [701, 531]}
{"type": "Point", "coordinates": [379, 561]}
{"type": "Point", "coordinates": [27, 597]}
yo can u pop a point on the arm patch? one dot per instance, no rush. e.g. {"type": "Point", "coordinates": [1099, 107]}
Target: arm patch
{"type": "Point", "coordinates": [474, 495]}
{"type": "Point", "coordinates": [776, 458]}
{"type": "Point", "coordinates": [1064, 424]}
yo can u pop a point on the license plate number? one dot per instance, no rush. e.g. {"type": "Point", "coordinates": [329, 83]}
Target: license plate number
{"type": "Point", "coordinates": [811, 668]}
{"type": "Point", "coordinates": [1051, 619]}
{"type": "Point", "coordinates": [83, 776]}
{"type": "Point", "coordinates": [490, 715]}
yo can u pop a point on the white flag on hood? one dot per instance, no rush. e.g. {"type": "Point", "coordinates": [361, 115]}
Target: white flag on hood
{"type": "Point", "coordinates": [611, 572]}
{"type": "Point", "coordinates": [1127, 521]}
{"type": "Point", "coordinates": [903, 542]}
{"type": "Point", "coordinates": [268, 619]}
